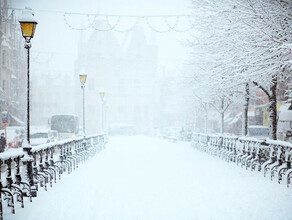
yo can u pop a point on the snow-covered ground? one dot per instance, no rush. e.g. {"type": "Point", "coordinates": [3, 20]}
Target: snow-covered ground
{"type": "Point", "coordinates": [139, 177]}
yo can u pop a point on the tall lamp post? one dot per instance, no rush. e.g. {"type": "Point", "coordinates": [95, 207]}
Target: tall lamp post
{"type": "Point", "coordinates": [104, 115]}
{"type": "Point", "coordinates": [83, 81]}
{"type": "Point", "coordinates": [102, 94]}
{"type": "Point", "coordinates": [28, 24]}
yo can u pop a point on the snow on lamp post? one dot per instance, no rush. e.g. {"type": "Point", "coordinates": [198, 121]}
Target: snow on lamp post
{"type": "Point", "coordinates": [102, 94]}
{"type": "Point", "coordinates": [104, 114]}
{"type": "Point", "coordinates": [83, 81]}
{"type": "Point", "coordinates": [28, 24]}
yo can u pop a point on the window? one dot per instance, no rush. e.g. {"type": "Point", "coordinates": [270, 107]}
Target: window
{"type": "Point", "coordinates": [121, 87]}
{"type": "Point", "coordinates": [146, 112]}
{"type": "Point", "coordinates": [122, 110]}
{"type": "Point", "coordinates": [3, 85]}
{"type": "Point", "coordinates": [3, 58]}
{"type": "Point", "coordinates": [137, 111]}
{"type": "Point", "coordinates": [137, 87]}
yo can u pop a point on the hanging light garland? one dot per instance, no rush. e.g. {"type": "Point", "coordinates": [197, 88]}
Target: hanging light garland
{"type": "Point", "coordinates": [108, 25]}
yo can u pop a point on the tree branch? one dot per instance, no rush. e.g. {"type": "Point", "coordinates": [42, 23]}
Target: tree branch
{"type": "Point", "coordinates": [262, 88]}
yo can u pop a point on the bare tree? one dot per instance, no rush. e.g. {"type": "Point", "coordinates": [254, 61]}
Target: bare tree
{"type": "Point", "coordinates": [245, 41]}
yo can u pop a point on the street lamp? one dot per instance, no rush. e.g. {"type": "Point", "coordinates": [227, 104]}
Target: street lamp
{"type": "Point", "coordinates": [102, 94]}
{"type": "Point", "coordinates": [104, 114]}
{"type": "Point", "coordinates": [83, 81]}
{"type": "Point", "coordinates": [28, 24]}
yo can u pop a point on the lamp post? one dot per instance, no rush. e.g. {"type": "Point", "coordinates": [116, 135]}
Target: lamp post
{"type": "Point", "coordinates": [83, 81]}
{"type": "Point", "coordinates": [28, 24]}
{"type": "Point", "coordinates": [104, 115]}
{"type": "Point", "coordinates": [102, 94]}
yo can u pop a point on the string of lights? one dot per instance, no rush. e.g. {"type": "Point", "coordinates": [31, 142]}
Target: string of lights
{"type": "Point", "coordinates": [92, 21]}
{"type": "Point", "coordinates": [114, 26]}
{"type": "Point", "coordinates": [137, 21]}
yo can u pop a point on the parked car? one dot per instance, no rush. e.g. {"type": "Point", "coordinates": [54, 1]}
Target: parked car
{"type": "Point", "coordinates": [173, 133]}
{"type": "Point", "coordinates": [258, 131]}
{"type": "Point", "coordinates": [53, 135]}
{"type": "Point", "coordinates": [14, 135]}
{"type": "Point", "coordinates": [284, 129]}
{"type": "Point", "coordinates": [43, 136]}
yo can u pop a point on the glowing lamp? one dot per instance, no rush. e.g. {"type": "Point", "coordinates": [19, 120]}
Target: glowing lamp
{"type": "Point", "coordinates": [28, 23]}
{"type": "Point", "coordinates": [83, 78]}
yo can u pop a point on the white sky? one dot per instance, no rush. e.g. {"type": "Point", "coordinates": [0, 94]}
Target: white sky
{"type": "Point", "coordinates": [53, 36]}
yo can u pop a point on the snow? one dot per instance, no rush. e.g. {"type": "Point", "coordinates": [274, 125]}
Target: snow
{"type": "Point", "coordinates": [17, 119]}
{"type": "Point", "coordinates": [285, 115]}
{"type": "Point", "coordinates": [247, 138]}
{"type": "Point", "coordinates": [141, 177]}
{"type": "Point", "coordinates": [11, 153]}
{"type": "Point", "coordinates": [279, 142]}
{"type": "Point", "coordinates": [38, 141]}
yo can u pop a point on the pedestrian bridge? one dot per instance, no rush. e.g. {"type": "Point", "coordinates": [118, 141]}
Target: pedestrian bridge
{"type": "Point", "coordinates": [140, 177]}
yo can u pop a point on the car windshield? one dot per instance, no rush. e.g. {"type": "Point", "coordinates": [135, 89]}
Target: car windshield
{"type": "Point", "coordinates": [39, 135]}
{"type": "Point", "coordinates": [258, 131]}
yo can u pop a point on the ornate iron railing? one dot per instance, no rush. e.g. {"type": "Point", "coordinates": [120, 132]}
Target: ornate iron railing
{"type": "Point", "coordinates": [271, 157]}
{"type": "Point", "coordinates": [24, 171]}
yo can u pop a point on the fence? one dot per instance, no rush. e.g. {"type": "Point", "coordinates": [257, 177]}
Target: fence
{"type": "Point", "coordinates": [24, 171]}
{"type": "Point", "coordinates": [272, 158]}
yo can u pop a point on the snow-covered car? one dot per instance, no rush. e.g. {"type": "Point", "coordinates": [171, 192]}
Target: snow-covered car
{"type": "Point", "coordinates": [284, 128]}
{"type": "Point", "coordinates": [53, 135]}
{"type": "Point", "coordinates": [258, 131]}
{"type": "Point", "coordinates": [43, 136]}
{"type": "Point", "coordinates": [14, 135]}
{"type": "Point", "coordinates": [173, 133]}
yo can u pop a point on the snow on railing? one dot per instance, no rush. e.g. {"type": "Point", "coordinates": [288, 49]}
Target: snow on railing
{"type": "Point", "coordinates": [268, 156]}
{"type": "Point", "coordinates": [25, 171]}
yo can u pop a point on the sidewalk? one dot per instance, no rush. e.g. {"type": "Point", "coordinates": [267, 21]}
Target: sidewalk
{"type": "Point", "coordinates": [139, 177]}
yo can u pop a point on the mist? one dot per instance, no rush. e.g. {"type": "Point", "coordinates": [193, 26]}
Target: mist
{"type": "Point", "coordinates": [138, 66]}
{"type": "Point", "coordinates": [160, 109]}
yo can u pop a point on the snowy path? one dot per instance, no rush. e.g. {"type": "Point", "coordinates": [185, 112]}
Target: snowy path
{"type": "Point", "coordinates": [139, 178]}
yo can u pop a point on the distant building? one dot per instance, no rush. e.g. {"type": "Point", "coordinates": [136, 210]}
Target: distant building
{"type": "Point", "coordinates": [127, 73]}
{"type": "Point", "coordinates": [12, 66]}
{"type": "Point", "coordinates": [51, 93]}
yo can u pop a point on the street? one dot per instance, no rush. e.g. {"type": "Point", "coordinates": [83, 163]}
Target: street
{"type": "Point", "coordinates": [140, 177]}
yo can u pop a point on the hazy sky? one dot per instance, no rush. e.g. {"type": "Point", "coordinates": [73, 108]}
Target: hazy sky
{"type": "Point", "coordinates": [55, 42]}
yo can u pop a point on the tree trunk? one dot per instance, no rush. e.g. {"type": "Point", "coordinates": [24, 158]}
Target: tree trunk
{"type": "Point", "coordinates": [206, 122]}
{"type": "Point", "coordinates": [245, 111]}
{"type": "Point", "coordinates": [222, 116]}
{"type": "Point", "coordinates": [272, 109]}
{"type": "Point", "coordinates": [272, 106]}
{"type": "Point", "coordinates": [206, 118]}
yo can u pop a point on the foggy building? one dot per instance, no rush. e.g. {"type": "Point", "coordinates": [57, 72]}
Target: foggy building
{"type": "Point", "coordinates": [12, 66]}
{"type": "Point", "coordinates": [51, 93]}
{"type": "Point", "coordinates": [126, 70]}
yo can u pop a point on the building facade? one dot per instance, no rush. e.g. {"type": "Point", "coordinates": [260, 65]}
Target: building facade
{"type": "Point", "coordinates": [12, 66]}
{"type": "Point", "coordinates": [126, 70]}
